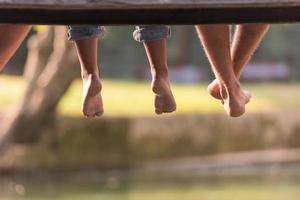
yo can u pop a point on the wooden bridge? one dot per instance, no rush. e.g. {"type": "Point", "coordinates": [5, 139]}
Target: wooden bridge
{"type": "Point", "coordinates": [117, 12]}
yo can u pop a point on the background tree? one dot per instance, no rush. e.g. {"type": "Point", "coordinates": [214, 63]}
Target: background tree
{"type": "Point", "coordinates": [51, 67]}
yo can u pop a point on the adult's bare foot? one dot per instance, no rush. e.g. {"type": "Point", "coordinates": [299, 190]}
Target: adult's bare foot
{"type": "Point", "coordinates": [92, 105]}
{"type": "Point", "coordinates": [164, 101]}
{"type": "Point", "coordinates": [235, 100]}
{"type": "Point", "coordinates": [214, 89]}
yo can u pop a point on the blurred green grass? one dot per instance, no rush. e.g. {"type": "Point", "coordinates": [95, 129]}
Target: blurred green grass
{"type": "Point", "coordinates": [135, 98]}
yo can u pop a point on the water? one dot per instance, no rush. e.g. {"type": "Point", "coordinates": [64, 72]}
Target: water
{"type": "Point", "coordinates": [81, 187]}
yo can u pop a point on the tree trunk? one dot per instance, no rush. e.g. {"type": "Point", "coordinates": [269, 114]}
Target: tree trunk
{"type": "Point", "coordinates": [49, 76]}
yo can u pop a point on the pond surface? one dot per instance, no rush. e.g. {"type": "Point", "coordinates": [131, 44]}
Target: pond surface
{"type": "Point", "coordinates": [114, 188]}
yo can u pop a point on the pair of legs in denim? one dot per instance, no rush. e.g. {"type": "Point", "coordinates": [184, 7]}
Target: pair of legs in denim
{"type": "Point", "coordinates": [154, 39]}
{"type": "Point", "coordinates": [227, 62]}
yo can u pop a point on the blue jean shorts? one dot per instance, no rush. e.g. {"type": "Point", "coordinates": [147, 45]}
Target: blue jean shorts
{"type": "Point", "coordinates": [141, 34]}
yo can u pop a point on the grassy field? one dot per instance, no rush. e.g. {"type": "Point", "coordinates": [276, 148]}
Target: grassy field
{"type": "Point", "coordinates": [135, 98]}
{"type": "Point", "coordinates": [196, 191]}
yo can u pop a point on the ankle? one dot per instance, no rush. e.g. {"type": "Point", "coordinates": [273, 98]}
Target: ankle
{"type": "Point", "coordinates": [85, 75]}
{"type": "Point", "coordinates": [160, 74]}
{"type": "Point", "coordinates": [159, 83]}
{"type": "Point", "coordinates": [233, 85]}
{"type": "Point", "coordinates": [230, 89]}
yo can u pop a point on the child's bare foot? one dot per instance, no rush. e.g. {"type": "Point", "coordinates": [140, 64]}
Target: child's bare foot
{"type": "Point", "coordinates": [164, 101]}
{"type": "Point", "coordinates": [92, 100]}
{"type": "Point", "coordinates": [214, 90]}
{"type": "Point", "coordinates": [234, 100]}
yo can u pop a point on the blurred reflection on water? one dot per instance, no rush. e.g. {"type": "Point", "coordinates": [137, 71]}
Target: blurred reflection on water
{"type": "Point", "coordinates": [119, 187]}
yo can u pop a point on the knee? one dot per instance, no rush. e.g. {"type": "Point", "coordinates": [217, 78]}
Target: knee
{"type": "Point", "coordinates": [151, 33]}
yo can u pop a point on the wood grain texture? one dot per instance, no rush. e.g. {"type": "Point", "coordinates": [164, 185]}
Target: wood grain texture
{"type": "Point", "coordinates": [144, 4]}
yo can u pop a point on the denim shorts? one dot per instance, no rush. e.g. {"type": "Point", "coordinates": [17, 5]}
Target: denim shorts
{"type": "Point", "coordinates": [141, 34]}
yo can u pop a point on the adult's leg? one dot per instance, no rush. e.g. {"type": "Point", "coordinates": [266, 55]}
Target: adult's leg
{"type": "Point", "coordinates": [216, 43]}
{"type": "Point", "coordinates": [86, 42]}
{"type": "Point", "coordinates": [155, 43]}
{"type": "Point", "coordinates": [11, 37]}
{"type": "Point", "coordinates": [246, 39]}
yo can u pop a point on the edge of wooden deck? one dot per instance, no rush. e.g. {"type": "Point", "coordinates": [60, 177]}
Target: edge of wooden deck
{"type": "Point", "coordinates": [143, 4]}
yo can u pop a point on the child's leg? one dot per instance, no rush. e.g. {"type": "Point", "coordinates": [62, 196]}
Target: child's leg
{"type": "Point", "coordinates": [246, 39]}
{"type": "Point", "coordinates": [86, 42]}
{"type": "Point", "coordinates": [11, 38]}
{"type": "Point", "coordinates": [155, 43]}
{"type": "Point", "coordinates": [215, 40]}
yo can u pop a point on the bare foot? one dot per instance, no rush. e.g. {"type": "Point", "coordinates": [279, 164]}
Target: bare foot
{"type": "Point", "coordinates": [234, 100]}
{"type": "Point", "coordinates": [164, 101]}
{"type": "Point", "coordinates": [214, 91]}
{"type": "Point", "coordinates": [92, 100]}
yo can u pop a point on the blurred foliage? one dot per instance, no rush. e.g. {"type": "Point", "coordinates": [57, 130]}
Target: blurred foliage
{"type": "Point", "coordinates": [281, 45]}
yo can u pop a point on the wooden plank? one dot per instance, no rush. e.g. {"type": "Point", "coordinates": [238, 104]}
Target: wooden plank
{"type": "Point", "coordinates": [144, 4]}
{"type": "Point", "coordinates": [117, 12]}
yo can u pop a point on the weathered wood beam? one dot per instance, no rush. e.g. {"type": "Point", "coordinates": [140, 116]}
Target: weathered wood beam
{"type": "Point", "coordinates": [144, 4]}
{"type": "Point", "coordinates": [117, 12]}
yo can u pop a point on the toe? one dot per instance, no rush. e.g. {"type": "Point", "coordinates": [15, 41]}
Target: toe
{"type": "Point", "coordinates": [248, 96]}
{"type": "Point", "coordinates": [98, 114]}
{"type": "Point", "coordinates": [90, 116]}
{"type": "Point", "coordinates": [84, 114]}
{"type": "Point", "coordinates": [158, 112]}
{"type": "Point", "coordinates": [169, 109]}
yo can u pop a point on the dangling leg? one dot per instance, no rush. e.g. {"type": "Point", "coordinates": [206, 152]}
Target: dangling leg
{"type": "Point", "coordinates": [86, 46]}
{"type": "Point", "coordinates": [215, 40]}
{"type": "Point", "coordinates": [155, 43]}
{"type": "Point", "coordinates": [246, 39]}
{"type": "Point", "coordinates": [11, 38]}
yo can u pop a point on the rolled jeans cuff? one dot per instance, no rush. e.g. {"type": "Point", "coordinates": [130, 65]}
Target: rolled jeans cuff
{"type": "Point", "coordinates": [151, 32]}
{"type": "Point", "coordinates": [78, 32]}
